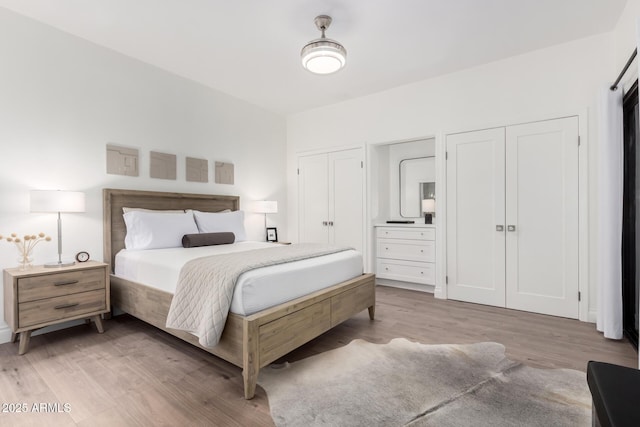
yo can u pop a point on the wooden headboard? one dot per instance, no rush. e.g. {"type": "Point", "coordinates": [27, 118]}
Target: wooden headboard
{"type": "Point", "coordinates": [114, 200]}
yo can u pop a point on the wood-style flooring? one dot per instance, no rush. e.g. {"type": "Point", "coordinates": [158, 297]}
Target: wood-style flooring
{"type": "Point", "coordinates": [136, 375]}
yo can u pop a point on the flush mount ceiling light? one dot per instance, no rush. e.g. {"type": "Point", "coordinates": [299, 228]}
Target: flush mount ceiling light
{"type": "Point", "coordinates": [323, 55]}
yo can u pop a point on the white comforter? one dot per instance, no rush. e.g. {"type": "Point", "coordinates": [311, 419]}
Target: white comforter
{"type": "Point", "coordinates": [205, 287]}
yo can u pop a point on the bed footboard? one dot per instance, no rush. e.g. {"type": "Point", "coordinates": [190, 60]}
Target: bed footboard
{"type": "Point", "coordinates": [252, 342]}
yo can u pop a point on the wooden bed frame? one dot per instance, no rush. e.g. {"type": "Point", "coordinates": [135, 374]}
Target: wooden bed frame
{"type": "Point", "coordinates": [250, 342]}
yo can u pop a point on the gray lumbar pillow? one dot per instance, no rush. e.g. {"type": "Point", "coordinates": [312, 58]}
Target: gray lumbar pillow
{"type": "Point", "coordinates": [207, 239]}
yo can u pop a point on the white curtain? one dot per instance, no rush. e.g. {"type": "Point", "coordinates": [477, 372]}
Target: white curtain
{"type": "Point", "coordinates": [610, 181]}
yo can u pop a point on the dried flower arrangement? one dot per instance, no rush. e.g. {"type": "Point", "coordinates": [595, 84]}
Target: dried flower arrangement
{"type": "Point", "coordinates": [25, 246]}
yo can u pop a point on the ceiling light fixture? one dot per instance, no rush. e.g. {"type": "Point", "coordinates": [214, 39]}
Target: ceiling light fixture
{"type": "Point", "coordinates": [323, 55]}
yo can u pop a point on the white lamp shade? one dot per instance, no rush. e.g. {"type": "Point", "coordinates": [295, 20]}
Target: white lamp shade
{"type": "Point", "coordinates": [428, 205]}
{"type": "Point", "coordinates": [57, 201]}
{"type": "Point", "coordinates": [266, 206]}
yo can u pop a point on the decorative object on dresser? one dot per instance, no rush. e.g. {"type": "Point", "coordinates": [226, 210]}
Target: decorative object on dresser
{"type": "Point", "coordinates": [25, 246]}
{"type": "Point", "coordinates": [41, 297]}
{"type": "Point", "coordinates": [429, 210]}
{"type": "Point", "coordinates": [57, 201]}
{"type": "Point", "coordinates": [406, 253]}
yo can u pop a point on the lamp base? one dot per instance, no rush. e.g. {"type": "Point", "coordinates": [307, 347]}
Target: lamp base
{"type": "Point", "coordinates": [428, 218]}
{"type": "Point", "coordinates": [59, 264]}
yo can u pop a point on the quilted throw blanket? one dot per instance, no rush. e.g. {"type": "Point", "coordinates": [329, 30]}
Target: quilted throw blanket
{"type": "Point", "coordinates": [205, 287]}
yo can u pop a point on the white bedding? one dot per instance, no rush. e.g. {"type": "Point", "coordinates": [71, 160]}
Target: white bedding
{"type": "Point", "coordinates": [257, 289]}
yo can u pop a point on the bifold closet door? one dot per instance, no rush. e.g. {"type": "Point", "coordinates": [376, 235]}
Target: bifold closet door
{"type": "Point", "coordinates": [313, 199]}
{"type": "Point", "coordinates": [542, 217]}
{"type": "Point", "coordinates": [331, 198]}
{"type": "Point", "coordinates": [512, 217]}
{"type": "Point", "coordinates": [475, 217]}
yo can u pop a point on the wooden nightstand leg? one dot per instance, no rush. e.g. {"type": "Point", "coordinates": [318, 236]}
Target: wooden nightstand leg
{"type": "Point", "coordinates": [98, 321]}
{"type": "Point", "coordinates": [14, 336]}
{"type": "Point", "coordinates": [25, 336]}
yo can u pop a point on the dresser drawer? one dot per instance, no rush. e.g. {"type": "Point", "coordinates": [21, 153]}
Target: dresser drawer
{"type": "Point", "coordinates": [406, 271]}
{"type": "Point", "coordinates": [65, 283]}
{"type": "Point", "coordinates": [62, 307]}
{"type": "Point", "coordinates": [412, 250]}
{"type": "Point", "coordinates": [406, 233]}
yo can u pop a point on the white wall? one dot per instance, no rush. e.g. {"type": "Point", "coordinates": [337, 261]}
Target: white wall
{"type": "Point", "coordinates": [556, 81]}
{"type": "Point", "coordinates": [63, 99]}
{"type": "Point", "coordinates": [624, 37]}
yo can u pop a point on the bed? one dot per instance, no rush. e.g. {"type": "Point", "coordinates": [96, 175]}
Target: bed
{"type": "Point", "coordinates": [248, 341]}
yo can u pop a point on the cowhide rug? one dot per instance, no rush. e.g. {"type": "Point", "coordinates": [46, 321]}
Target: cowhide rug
{"type": "Point", "coordinates": [405, 383]}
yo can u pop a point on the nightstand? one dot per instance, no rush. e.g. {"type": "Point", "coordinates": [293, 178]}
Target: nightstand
{"type": "Point", "coordinates": [40, 297]}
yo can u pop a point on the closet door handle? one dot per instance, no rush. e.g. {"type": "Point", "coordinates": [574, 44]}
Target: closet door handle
{"type": "Point", "coordinates": [330, 223]}
{"type": "Point", "coordinates": [325, 223]}
{"type": "Point", "coordinates": [511, 228]}
{"type": "Point", "coordinates": [499, 227]}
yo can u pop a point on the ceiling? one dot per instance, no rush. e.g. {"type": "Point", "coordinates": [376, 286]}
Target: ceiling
{"type": "Point", "coordinates": [250, 49]}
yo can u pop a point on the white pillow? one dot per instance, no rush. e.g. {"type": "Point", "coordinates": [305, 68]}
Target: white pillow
{"type": "Point", "coordinates": [153, 230]}
{"type": "Point", "coordinates": [215, 222]}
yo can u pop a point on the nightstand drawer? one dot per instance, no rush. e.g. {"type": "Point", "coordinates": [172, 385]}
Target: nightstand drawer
{"type": "Point", "coordinates": [62, 307]}
{"type": "Point", "coordinates": [58, 284]}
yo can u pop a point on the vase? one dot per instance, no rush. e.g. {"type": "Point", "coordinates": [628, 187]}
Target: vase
{"type": "Point", "coordinates": [25, 261]}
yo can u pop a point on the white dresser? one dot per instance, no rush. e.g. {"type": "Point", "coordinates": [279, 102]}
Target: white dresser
{"type": "Point", "coordinates": [406, 253]}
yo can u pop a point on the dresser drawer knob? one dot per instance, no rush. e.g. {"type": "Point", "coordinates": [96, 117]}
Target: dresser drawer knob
{"type": "Point", "coordinates": [422, 272]}
{"type": "Point", "coordinates": [61, 306]}
{"type": "Point", "coordinates": [68, 282]}
{"type": "Point", "coordinates": [421, 250]}
{"type": "Point", "coordinates": [386, 268]}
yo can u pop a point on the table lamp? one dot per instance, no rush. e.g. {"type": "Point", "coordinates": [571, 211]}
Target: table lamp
{"type": "Point", "coordinates": [266, 207]}
{"type": "Point", "coordinates": [57, 201]}
{"type": "Point", "coordinates": [429, 210]}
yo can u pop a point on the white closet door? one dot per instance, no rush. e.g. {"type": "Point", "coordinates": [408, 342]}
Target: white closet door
{"type": "Point", "coordinates": [313, 199]}
{"type": "Point", "coordinates": [542, 206]}
{"type": "Point", "coordinates": [346, 197]}
{"type": "Point", "coordinates": [475, 207]}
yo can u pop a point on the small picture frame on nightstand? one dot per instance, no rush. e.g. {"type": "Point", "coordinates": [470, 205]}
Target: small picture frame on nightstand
{"type": "Point", "coordinates": [272, 234]}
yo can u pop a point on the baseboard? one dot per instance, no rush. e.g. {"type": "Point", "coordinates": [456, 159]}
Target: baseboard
{"type": "Point", "coordinates": [406, 285]}
{"type": "Point", "coordinates": [5, 334]}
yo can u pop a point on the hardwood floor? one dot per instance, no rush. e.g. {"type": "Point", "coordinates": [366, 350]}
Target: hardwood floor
{"type": "Point", "coordinates": [136, 375]}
